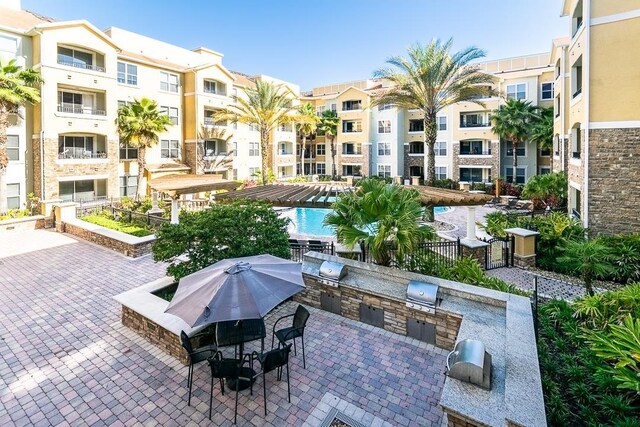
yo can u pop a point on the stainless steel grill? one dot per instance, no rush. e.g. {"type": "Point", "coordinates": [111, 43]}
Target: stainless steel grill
{"type": "Point", "coordinates": [470, 362]}
{"type": "Point", "coordinates": [422, 296]}
{"type": "Point", "coordinates": [332, 272]}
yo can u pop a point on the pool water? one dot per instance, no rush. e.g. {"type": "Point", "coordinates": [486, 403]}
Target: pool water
{"type": "Point", "coordinates": [310, 221]}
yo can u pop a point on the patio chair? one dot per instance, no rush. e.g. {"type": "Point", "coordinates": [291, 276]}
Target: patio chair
{"type": "Point", "coordinates": [300, 318]}
{"type": "Point", "coordinates": [273, 360]}
{"type": "Point", "coordinates": [225, 369]}
{"type": "Point", "coordinates": [196, 356]}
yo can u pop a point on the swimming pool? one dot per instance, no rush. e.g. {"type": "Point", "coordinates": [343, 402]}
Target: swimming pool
{"type": "Point", "coordinates": [310, 221]}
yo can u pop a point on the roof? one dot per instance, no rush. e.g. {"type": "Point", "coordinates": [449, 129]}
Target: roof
{"type": "Point", "coordinates": [150, 60]}
{"type": "Point", "coordinates": [21, 19]}
{"type": "Point", "coordinates": [47, 25]}
{"type": "Point", "coordinates": [242, 79]}
{"type": "Point", "coordinates": [324, 194]}
{"type": "Point", "coordinates": [176, 185]}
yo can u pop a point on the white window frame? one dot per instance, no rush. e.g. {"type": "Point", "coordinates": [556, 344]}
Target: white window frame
{"type": "Point", "coordinates": [439, 174]}
{"type": "Point", "coordinates": [384, 107]}
{"type": "Point", "coordinates": [384, 148]}
{"type": "Point", "coordinates": [13, 148]}
{"type": "Point", "coordinates": [384, 126]}
{"type": "Point", "coordinates": [320, 166]}
{"type": "Point", "coordinates": [172, 112]}
{"type": "Point", "coordinates": [519, 168]}
{"type": "Point", "coordinates": [384, 170]}
{"type": "Point", "coordinates": [440, 148]}
{"type": "Point", "coordinates": [125, 184]}
{"type": "Point", "coordinates": [522, 146]}
{"type": "Point", "coordinates": [130, 74]}
{"type": "Point", "coordinates": [165, 82]}
{"type": "Point", "coordinates": [169, 149]}
{"type": "Point", "coordinates": [542, 91]}
{"type": "Point", "coordinates": [253, 171]}
{"type": "Point", "coordinates": [321, 149]}
{"type": "Point", "coordinates": [441, 122]}
{"type": "Point", "coordinates": [516, 91]}
{"type": "Point", "coordinates": [254, 149]}
{"type": "Point", "coordinates": [13, 196]}
{"type": "Point", "coordinates": [210, 82]}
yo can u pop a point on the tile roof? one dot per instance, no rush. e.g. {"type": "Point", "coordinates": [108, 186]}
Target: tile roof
{"type": "Point", "coordinates": [21, 19]}
{"type": "Point", "coordinates": [152, 60]}
{"type": "Point", "coordinates": [242, 79]}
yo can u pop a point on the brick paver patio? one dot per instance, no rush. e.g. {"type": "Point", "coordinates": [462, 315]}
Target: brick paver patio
{"type": "Point", "coordinates": [67, 360]}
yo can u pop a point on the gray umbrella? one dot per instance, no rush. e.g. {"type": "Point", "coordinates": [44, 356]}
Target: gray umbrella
{"type": "Point", "coordinates": [236, 289]}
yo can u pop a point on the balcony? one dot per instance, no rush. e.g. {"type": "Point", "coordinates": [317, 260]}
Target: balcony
{"type": "Point", "coordinates": [75, 153]}
{"type": "Point", "coordinates": [80, 109]}
{"type": "Point", "coordinates": [210, 121]}
{"type": "Point", "coordinates": [352, 152]}
{"type": "Point", "coordinates": [68, 62]}
{"type": "Point", "coordinates": [285, 152]}
{"type": "Point", "coordinates": [416, 148]}
{"type": "Point", "coordinates": [476, 152]}
{"type": "Point", "coordinates": [79, 58]}
{"type": "Point", "coordinates": [475, 125]}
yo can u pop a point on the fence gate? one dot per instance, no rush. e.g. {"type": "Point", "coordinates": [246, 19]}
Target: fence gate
{"type": "Point", "coordinates": [498, 253]}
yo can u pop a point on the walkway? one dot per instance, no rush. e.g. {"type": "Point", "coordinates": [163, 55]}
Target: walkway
{"type": "Point", "coordinates": [67, 360]}
{"type": "Point", "coordinates": [457, 216]}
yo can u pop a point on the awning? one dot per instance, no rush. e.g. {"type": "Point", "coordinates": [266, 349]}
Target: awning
{"type": "Point", "coordinates": [176, 185]}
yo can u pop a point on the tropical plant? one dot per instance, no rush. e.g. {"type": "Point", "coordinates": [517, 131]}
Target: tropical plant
{"type": "Point", "coordinates": [383, 216]}
{"type": "Point", "coordinates": [307, 123]}
{"type": "Point", "coordinates": [265, 106]}
{"type": "Point", "coordinates": [512, 122]}
{"type": "Point", "coordinates": [549, 190]}
{"type": "Point", "coordinates": [221, 161]}
{"type": "Point", "coordinates": [328, 126]}
{"type": "Point", "coordinates": [589, 258]}
{"type": "Point", "coordinates": [430, 79]}
{"type": "Point", "coordinates": [225, 230]}
{"type": "Point", "coordinates": [626, 254]}
{"type": "Point", "coordinates": [139, 125]}
{"type": "Point", "coordinates": [18, 86]}
{"type": "Point", "coordinates": [542, 129]}
{"type": "Point", "coordinates": [612, 307]}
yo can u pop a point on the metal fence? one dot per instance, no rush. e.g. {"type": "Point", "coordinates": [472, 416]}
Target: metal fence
{"type": "Point", "coordinates": [134, 217]}
{"type": "Point", "coordinates": [443, 252]}
{"type": "Point", "coordinates": [297, 250]}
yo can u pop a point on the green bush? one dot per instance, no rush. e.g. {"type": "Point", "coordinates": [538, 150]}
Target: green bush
{"type": "Point", "coordinates": [446, 183]}
{"type": "Point", "coordinates": [104, 220]}
{"type": "Point", "coordinates": [548, 190]}
{"type": "Point", "coordinates": [226, 230]}
{"type": "Point", "coordinates": [15, 213]}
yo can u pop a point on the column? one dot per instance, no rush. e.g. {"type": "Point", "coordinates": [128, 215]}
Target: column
{"type": "Point", "coordinates": [175, 210]}
{"type": "Point", "coordinates": [471, 222]}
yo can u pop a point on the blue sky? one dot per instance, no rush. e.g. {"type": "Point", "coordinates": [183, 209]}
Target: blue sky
{"type": "Point", "coordinates": [315, 42]}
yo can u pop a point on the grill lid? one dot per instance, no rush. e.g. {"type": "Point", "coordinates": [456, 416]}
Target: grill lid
{"type": "Point", "coordinates": [422, 293]}
{"type": "Point", "coordinates": [333, 270]}
{"type": "Point", "coordinates": [470, 362]}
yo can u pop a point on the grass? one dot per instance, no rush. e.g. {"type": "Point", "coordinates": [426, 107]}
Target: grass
{"type": "Point", "coordinates": [111, 224]}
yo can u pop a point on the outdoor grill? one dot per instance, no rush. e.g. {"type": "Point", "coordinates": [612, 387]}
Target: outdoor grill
{"type": "Point", "coordinates": [332, 272]}
{"type": "Point", "coordinates": [422, 296]}
{"type": "Point", "coordinates": [470, 362]}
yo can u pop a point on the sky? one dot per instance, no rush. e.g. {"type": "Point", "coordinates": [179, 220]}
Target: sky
{"type": "Point", "coordinates": [317, 42]}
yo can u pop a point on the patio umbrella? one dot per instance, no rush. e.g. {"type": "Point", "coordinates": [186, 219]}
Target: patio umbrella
{"type": "Point", "coordinates": [236, 289]}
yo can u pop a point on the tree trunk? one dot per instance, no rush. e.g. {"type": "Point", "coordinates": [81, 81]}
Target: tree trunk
{"type": "Point", "coordinates": [333, 158]}
{"type": "Point", "coordinates": [4, 159]}
{"type": "Point", "coordinates": [264, 154]}
{"type": "Point", "coordinates": [514, 144]}
{"type": "Point", "coordinates": [430, 134]}
{"type": "Point", "coordinates": [304, 146]}
{"type": "Point", "coordinates": [142, 182]}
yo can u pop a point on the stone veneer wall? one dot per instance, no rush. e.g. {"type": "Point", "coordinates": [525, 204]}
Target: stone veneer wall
{"type": "Point", "coordinates": [128, 249]}
{"type": "Point", "coordinates": [614, 176]}
{"type": "Point", "coordinates": [395, 312]}
{"type": "Point", "coordinates": [460, 421]}
{"type": "Point", "coordinates": [411, 160]}
{"type": "Point", "coordinates": [470, 160]}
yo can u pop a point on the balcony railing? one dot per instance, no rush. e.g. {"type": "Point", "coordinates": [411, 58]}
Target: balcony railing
{"type": "Point", "coordinates": [285, 152]}
{"type": "Point", "coordinates": [352, 152]}
{"type": "Point", "coordinates": [79, 109]}
{"type": "Point", "coordinates": [416, 150]}
{"type": "Point", "coordinates": [475, 152]}
{"type": "Point", "coordinates": [210, 121]}
{"type": "Point", "coordinates": [474, 125]}
{"type": "Point", "coordinates": [80, 153]}
{"type": "Point", "coordinates": [79, 64]}
{"type": "Point", "coordinates": [351, 130]}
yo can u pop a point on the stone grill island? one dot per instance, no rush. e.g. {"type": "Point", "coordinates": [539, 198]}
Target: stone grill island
{"type": "Point", "coordinates": [377, 296]}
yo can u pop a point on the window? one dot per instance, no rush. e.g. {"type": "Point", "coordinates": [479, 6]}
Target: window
{"type": "Point", "coordinates": [441, 172]}
{"type": "Point", "coordinates": [520, 175]}
{"type": "Point", "coordinates": [351, 170]}
{"type": "Point", "coordinates": [285, 128]}
{"type": "Point", "coordinates": [384, 107]}
{"type": "Point", "coordinates": [13, 196]}
{"type": "Point", "coordinates": [416, 125]}
{"type": "Point", "coordinates": [215, 148]}
{"type": "Point", "coordinates": [384, 126]}
{"type": "Point", "coordinates": [122, 103]}
{"type": "Point", "coordinates": [351, 105]}
{"type": "Point", "coordinates": [471, 175]}
{"type": "Point", "coordinates": [416, 147]}
{"type": "Point", "coordinates": [127, 152]}
{"type": "Point", "coordinates": [77, 147]}
{"type": "Point", "coordinates": [576, 78]}
{"type": "Point", "coordinates": [286, 148]}
{"type": "Point", "coordinates": [127, 74]}
{"type": "Point", "coordinates": [128, 185]}
{"type": "Point", "coordinates": [351, 126]}
{"type": "Point", "coordinates": [254, 149]}
{"type": "Point", "coordinates": [470, 148]}
{"type": "Point", "coordinates": [545, 152]}
{"type": "Point", "coordinates": [320, 149]}
{"type": "Point", "coordinates": [547, 91]}
{"type": "Point", "coordinates": [521, 151]}
{"type": "Point", "coordinates": [440, 148]}
{"type": "Point", "coordinates": [172, 112]}
{"type": "Point", "coordinates": [319, 110]}
{"type": "Point", "coordinates": [234, 95]}
{"type": "Point", "coordinates": [8, 45]}
{"type": "Point", "coordinates": [576, 142]}
{"type": "Point", "coordinates": [473, 120]}
{"type": "Point", "coordinates": [254, 172]}
{"type": "Point", "coordinates": [321, 169]}
{"type": "Point", "coordinates": [334, 107]}
{"type": "Point", "coordinates": [545, 170]}
{"type": "Point", "coordinates": [384, 148]}
{"type": "Point", "coordinates": [556, 106]}
{"type": "Point", "coordinates": [575, 197]}
{"type": "Point", "coordinates": [253, 127]}
{"type": "Point", "coordinates": [77, 58]}
{"type": "Point", "coordinates": [169, 149]}
{"type": "Point", "coordinates": [210, 86]}
{"type": "Point", "coordinates": [351, 148]}
{"type": "Point", "coordinates": [168, 82]}
{"type": "Point", "coordinates": [442, 123]}
{"type": "Point", "coordinates": [384, 171]}
{"type": "Point", "coordinates": [517, 91]}
{"type": "Point", "coordinates": [13, 147]}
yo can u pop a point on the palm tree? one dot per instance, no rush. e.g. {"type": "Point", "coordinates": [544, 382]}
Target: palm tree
{"type": "Point", "coordinates": [18, 86]}
{"type": "Point", "coordinates": [266, 106]}
{"type": "Point", "coordinates": [513, 122]}
{"type": "Point", "coordinates": [139, 125]}
{"type": "Point", "coordinates": [542, 130]}
{"type": "Point", "coordinates": [307, 121]}
{"type": "Point", "coordinates": [328, 126]}
{"type": "Point", "coordinates": [430, 79]}
{"type": "Point", "coordinates": [589, 258]}
{"type": "Point", "coordinates": [382, 215]}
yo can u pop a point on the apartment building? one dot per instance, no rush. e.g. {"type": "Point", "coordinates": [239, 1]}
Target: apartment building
{"type": "Point", "coordinates": [597, 121]}
{"type": "Point", "coordinates": [387, 141]}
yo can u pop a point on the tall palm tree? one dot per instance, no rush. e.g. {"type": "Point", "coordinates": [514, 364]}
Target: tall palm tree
{"type": "Point", "coordinates": [266, 106]}
{"type": "Point", "coordinates": [382, 215]}
{"type": "Point", "coordinates": [430, 79]}
{"type": "Point", "coordinates": [307, 122]}
{"type": "Point", "coordinates": [139, 125]}
{"type": "Point", "coordinates": [328, 126]}
{"type": "Point", "coordinates": [513, 122]}
{"type": "Point", "coordinates": [542, 130]}
{"type": "Point", "coordinates": [18, 86]}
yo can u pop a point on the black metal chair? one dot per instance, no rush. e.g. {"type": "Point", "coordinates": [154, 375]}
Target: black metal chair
{"type": "Point", "coordinates": [273, 360]}
{"type": "Point", "coordinates": [196, 356]}
{"type": "Point", "coordinates": [226, 369]}
{"type": "Point", "coordinates": [300, 318]}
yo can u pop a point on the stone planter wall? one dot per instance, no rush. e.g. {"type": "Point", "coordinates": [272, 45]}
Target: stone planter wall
{"type": "Point", "coordinates": [21, 224]}
{"type": "Point", "coordinates": [134, 247]}
{"type": "Point", "coordinates": [395, 312]}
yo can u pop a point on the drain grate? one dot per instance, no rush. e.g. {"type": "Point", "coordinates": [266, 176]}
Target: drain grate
{"type": "Point", "coordinates": [336, 418]}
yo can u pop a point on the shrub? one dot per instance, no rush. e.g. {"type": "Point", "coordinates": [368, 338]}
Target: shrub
{"type": "Point", "coordinates": [104, 220]}
{"type": "Point", "coordinates": [446, 183]}
{"type": "Point", "coordinates": [15, 213]}
{"type": "Point", "coordinates": [226, 230]}
{"type": "Point", "coordinates": [548, 190]}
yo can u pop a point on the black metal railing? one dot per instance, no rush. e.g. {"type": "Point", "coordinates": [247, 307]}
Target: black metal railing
{"type": "Point", "coordinates": [297, 250]}
{"type": "Point", "coordinates": [442, 252]}
{"type": "Point", "coordinates": [130, 216]}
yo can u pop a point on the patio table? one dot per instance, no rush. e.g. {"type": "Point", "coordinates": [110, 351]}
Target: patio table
{"type": "Point", "coordinates": [236, 333]}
